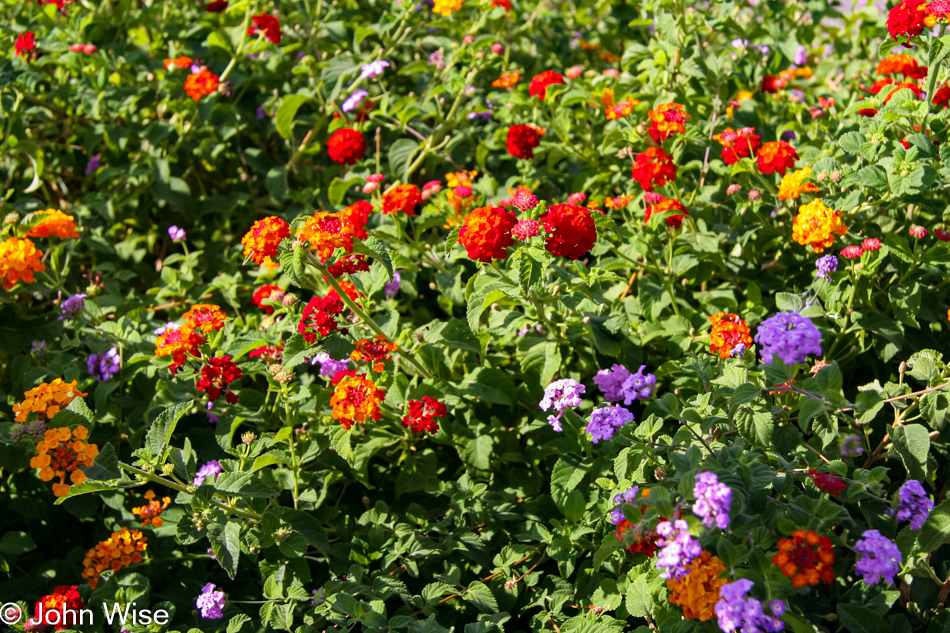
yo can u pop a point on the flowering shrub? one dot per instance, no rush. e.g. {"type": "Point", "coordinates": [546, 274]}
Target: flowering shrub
{"type": "Point", "coordinates": [475, 315]}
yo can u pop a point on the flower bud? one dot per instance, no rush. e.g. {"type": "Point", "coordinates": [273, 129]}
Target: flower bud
{"type": "Point", "coordinates": [586, 320]}
{"type": "Point", "coordinates": [89, 49]}
{"type": "Point", "coordinates": [498, 48]}
{"type": "Point", "coordinates": [468, 39]}
{"type": "Point", "coordinates": [168, 469]}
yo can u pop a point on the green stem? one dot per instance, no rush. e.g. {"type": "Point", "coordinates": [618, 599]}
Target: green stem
{"type": "Point", "coordinates": [293, 446]}
{"type": "Point", "coordinates": [240, 48]}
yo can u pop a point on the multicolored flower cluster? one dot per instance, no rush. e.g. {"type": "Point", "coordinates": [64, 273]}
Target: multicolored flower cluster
{"type": "Point", "coordinates": [149, 513]}
{"type": "Point", "coordinates": [487, 232]}
{"type": "Point", "coordinates": [120, 550]}
{"type": "Point", "coordinates": [816, 225]}
{"type": "Point", "coordinates": [60, 454]}
{"type": "Point", "coordinates": [807, 558]}
{"type": "Point", "coordinates": [355, 400]}
{"type": "Point", "coordinates": [729, 332]}
{"type": "Point", "coordinates": [375, 351]}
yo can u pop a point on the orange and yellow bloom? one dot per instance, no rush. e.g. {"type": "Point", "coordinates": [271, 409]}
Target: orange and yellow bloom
{"type": "Point", "coordinates": [46, 400]}
{"type": "Point", "coordinates": [261, 242]}
{"type": "Point", "coordinates": [149, 514]}
{"type": "Point", "coordinates": [806, 558]}
{"type": "Point", "coordinates": [698, 592]}
{"type": "Point", "coordinates": [375, 351]}
{"type": "Point", "coordinates": [816, 225]}
{"type": "Point", "coordinates": [19, 260]}
{"type": "Point", "coordinates": [728, 331]}
{"type": "Point", "coordinates": [355, 400]}
{"type": "Point", "coordinates": [60, 454]}
{"type": "Point", "coordinates": [54, 223]}
{"type": "Point", "coordinates": [120, 550]}
{"type": "Point", "coordinates": [793, 184]}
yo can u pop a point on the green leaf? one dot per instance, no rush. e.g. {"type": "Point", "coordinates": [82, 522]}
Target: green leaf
{"type": "Point", "coordinates": [85, 488]}
{"type": "Point", "coordinates": [857, 619]}
{"type": "Point", "coordinates": [105, 467]}
{"type": "Point", "coordinates": [481, 596]}
{"type": "Point", "coordinates": [160, 432]}
{"type": "Point", "coordinates": [236, 623]}
{"type": "Point", "coordinates": [244, 485]}
{"type": "Point", "coordinates": [340, 441]}
{"type": "Point", "coordinates": [226, 544]}
{"type": "Point", "coordinates": [744, 393]}
{"type": "Point", "coordinates": [451, 240]}
{"type": "Point", "coordinates": [872, 177]}
{"type": "Point", "coordinates": [434, 591]}
{"type": "Point", "coordinates": [374, 249]}
{"type": "Point", "coordinates": [400, 155]}
{"type": "Point", "coordinates": [286, 112]}
{"type": "Point", "coordinates": [16, 543]}
{"type": "Point", "coordinates": [295, 351]}
{"type": "Point", "coordinates": [642, 594]}
{"type": "Point", "coordinates": [489, 384]}
{"type": "Point", "coordinates": [338, 189]}
{"type": "Point", "coordinates": [905, 301]}
{"type": "Point", "coordinates": [755, 425]}
{"type": "Point", "coordinates": [936, 529]}
{"type": "Point", "coordinates": [912, 442]}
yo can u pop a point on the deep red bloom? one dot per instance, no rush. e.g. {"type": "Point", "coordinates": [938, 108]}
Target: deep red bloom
{"type": "Point", "coordinates": [942, 234]}
{"type": "Point", "coordinates": [216, 376]}
{"type": "Point", "coordinates": [539, 85]}
{"type": "Point", "coordinates": [348, 264]}
{"type": "Point", "coordinates": [671, 206]}
{"type": "Point", "coordinates": [827, 483]}
{"type": "Point", "coordinates": [771, 84]}
{"type": "Point", "coordinates": [571, 230]}
{"type": "Point", "coordinates": [486, 233]}
{"type": "Point", "coordinates": [66, 602]}
{"type": "Point", "coordinates": [522, 139]}
{"type": "Point", "coordinates": [942, 96]}
{"type": "Point", "coordinates": [776, 156]}
{"type": "Point", "coordinates": [646, 542]}
{"type": "Point", "coordinates": [738, 144]}
{"type": "Point", "coordinates": [346, 146]}
{"type": "Point", "coordinates": [216, 6]}
{"type": "Point", "coordinates": [320, 316]}
{"type": "Point", "coordinates": [25, 45]}
{"type": "Point", "coordinates": [905, 21]}
{"type": "Point", "coordinates": [266, 24]}
{"type": "Point", "coordinates": [422, 413]}
{"type": "Point", "coordinates": [263, 293]}
{"type": "Point", "coordinates": [654, 167]}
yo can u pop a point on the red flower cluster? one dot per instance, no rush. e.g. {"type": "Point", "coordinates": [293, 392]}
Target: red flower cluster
{"type": "Point", "coordinates": [269, 353]}
{"type": "Point", "coordinates": [266, 24]}
{"type": "Point", "coordinates": [348, 264]}
{"type": "Point", "coordinates": [375, 351]}
{"type": "Point", "coordinates": [216, 376]}
{"type": "Point", "coordinates": [646, 539]}
{"type": "Point", "coordinates": [539, 84]}
{"type": "Point", "coordinates": [355, 217]}
{"type": "Point", "coordinates": [777, 156]}
{"type": "Point", "coordinates": [738, 144]}
{"type": "Point", "coordinates": [422, 414]}
{"type": "Point", "coordinates": [522, 139]}
{"type": "Point", "coordinates": [906, 20]}
{"type": "Point", "coordinates": [486, 233]}
{"type": "Point", "coordinates": [65, 602]}
{"type": "Point", "coordinates": [571, 229]}
{"type": "Point", "coordinates": [880, 84]}
{"type": "Point", "coordinates": [901, 65]}
{"type": "Point", "coordinates": [654, 167]}
{"type": "Point", "coordinates": [320, 317]}
{"type": "Point", "coordinates": [346, 146]}
{"type": "Point", "coordinates": [670, 206]}
{"type": "Point", "coordinates": [262, 293]}
{"type": "Point", "coordinates": [25, 46]}
{"type": "Point", "coordinates": [402, 198]}
{"type": "Point", "coordinates": [827, 483]}
{"type": "Point", "coordinates": [942, 95]}
{"type": "Point", "coordinates": [216, 6]}
{"type": "Point", "coordinates": [668, 120]}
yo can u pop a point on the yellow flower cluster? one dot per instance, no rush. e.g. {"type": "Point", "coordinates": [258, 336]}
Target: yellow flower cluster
{"type": "Point", "coordinates": [816, 225]}
{"type": "Point", "coordinates": [60, 454]}
{"type": "Point", "coordinates": [446, 7]}
{"type": "Point", "coordinates": [46, 400]}
{"type": "Point", "coordinates": [698, 592]}
{"type": "Point", "coordinates": [120, 550]}
{"type": "Point", "coordinates": [19, 260]}
{"type": "Point", "coordinates": [793, 184]}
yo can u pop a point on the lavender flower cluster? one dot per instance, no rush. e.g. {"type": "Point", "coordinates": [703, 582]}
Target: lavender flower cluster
{"type": "Point", "coordinates": [211, 469]}
{"type": "Point", "coordinates": [561, 395]}
{"type": "Point", "coordinates": [627, 496]}
{"type": "Point", "coordinates": [617, 383]}
{"type": "Point", "coordinates": [913, 504]}
{"type": "Point", "coordinates": [606, 421]}
{"type": "Point", "coordinates": [738, 612]}
{"type": "Point", "coordinates": [211, 602]}
{"type": "Point", "coordinates": [713, 499]}
{"type": "Point", "coordinates": [104, 366]}
{"type": "Point", "coordinates": [790, 336]}
{"type": "Point", "coordinates": [679, 549]}
{"type": "Point", "coordinates": [328, 366]}
{"type": "Point", "coordinates": [879, 557]}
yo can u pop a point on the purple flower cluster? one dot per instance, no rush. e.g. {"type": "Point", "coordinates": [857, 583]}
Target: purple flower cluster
{"type": "Point", "coordinates": [738, 612]}
{"type": "Point", "coordinates": [328, 366]}
{"type": "Point", "coordinates": [374, 69]}
{"type": "Point", "coordinates": [679, 549]}
{"type": "Point", "coordinates": [354, 100]}
{"type": "Point", "coordinates": [391, 289]}
{"type": "Point", "coordinates": [104, 366]}
{"type": "Point", "coordinates": [606, 421]}
{"type": "Point", "coordinates": [617, 383]}
{"type": "Point", "coordinates": [628, 496]}
{"type": "Point", "coordinates": [561, 395]}
{"type": "Point", "coordinates": [879, 557]}
{"type": "Point", "coordinates": [211, 602]}
{"type": "Point", "coordinates": [176, 233]}
{"type": "Point", "coordinates": [826, 265]}
{"type": "Point", "coordinates": [211, 469]}
{"type": "Point", "coordinates": [790, 336]}
{"type": "Point", "coordinates": [913, 504]}
{"type": "Point", "coordinates": [713, 499]}
{"type": "Point", "coordinates": [851, 446]}
{"type": "Point", "coordinates": [93, 164]}
{"type": "Point", "coordinates": [72, 306]}
{"type": "Point", "coordinates": [31, 429]}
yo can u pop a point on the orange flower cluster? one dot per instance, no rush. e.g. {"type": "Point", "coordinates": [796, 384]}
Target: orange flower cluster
{"type": "Point", "coordinates": [54, 223]}
{"type": "Point", "coordinates": [60, 454]}
{"type": "Point", "coordinates": [46, 400]}
{"type": "Point", "coordinates": [894, 86]}
{"type": "Point", "coordinates": [402, 198]}
{"type": "Point", "coordinates": [355, 400]}
{"type": "Point", "coordinates": [507, 80]}
{"type": "Point", "coordinates": [374, 351]}
{"type": "Point", "coordinates": [206, 317]}
{"type": "Point", "coordinates": [698, 592]}
{"type": "Point", "coordinates": [738, 144]}
{"type": "Point", "coordinates": [19, 260]}
{"type": "Point", "coordinates": [777, 156]}
{"type": "Point", "coordinates": [901, 65]}
{"type": "Point", "coordinates": [654, 167]}
{"type": "Point", "coordinates": [120, 550]}
{"type": "Point", "coordinates": [671, 206]}
{"type": "Point", "coordinates": [728, 331]}
{"type": "Point", "coordinates": [816, 225]}
{"type": "Point", "coordinates": [261, 242]}
{"type": "Point", "coordinates": [179, 343]}
{"type": "Point", "coordinates": [326, 232]}
{"type": "Point", "coordinates": [486, 233]}
{"type": "Point", "coordinates": [806, 558]}
{"type": "Point", "coordinates": [621, 109]}
{"type": "Point", "coordinates": [666, 121]}
{"type": "Point", "coordinates": [180, 63]}
{"type": "Point", "coordinates": [201, 84]}
{"type": "Point", "coordinates": [793, 185]}
{"type": "Point", "coordinates": [446, 7]}
{"type": "Point", "coordinates": [148, 514]}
